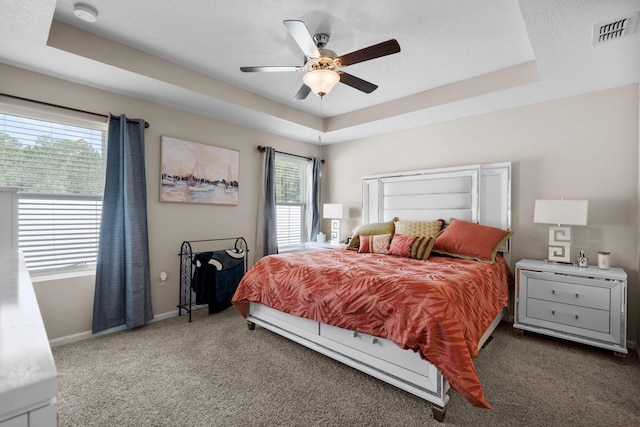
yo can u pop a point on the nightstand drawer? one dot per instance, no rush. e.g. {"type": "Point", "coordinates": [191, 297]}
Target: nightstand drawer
{"type": "Point", "coordinates": [570, 315]}
{"type": "Point", "coordinates": [569, 293]}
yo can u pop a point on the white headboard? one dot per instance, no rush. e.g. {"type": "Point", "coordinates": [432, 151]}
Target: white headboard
{"type": "Point", "coordinates": [475, 193]}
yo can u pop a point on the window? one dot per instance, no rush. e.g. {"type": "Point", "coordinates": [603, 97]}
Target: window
{"type": "Point", "coordinates": [292, 189]}
{"type": "Point", "coordinates": [58, 167]}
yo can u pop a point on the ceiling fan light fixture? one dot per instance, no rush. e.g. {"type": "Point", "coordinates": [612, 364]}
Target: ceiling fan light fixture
{"type": "Point", "coordinates": [321, 81]}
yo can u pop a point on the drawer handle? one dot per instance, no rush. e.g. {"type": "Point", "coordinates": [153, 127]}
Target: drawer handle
{"type": "Point", "coordinates": [553, 291]}
{"type": "Point", "coordinates": [553, 312]}
{"type": "Point", "coordinates": [373, 339]}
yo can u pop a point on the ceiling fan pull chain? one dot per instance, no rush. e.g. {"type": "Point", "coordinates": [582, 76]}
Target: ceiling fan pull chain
{"type": "Point", "coordinates": [320, 123]}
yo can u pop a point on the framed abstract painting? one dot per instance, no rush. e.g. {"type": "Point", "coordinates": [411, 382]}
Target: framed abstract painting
{"type": "Point", "coordinates": [198, 173]}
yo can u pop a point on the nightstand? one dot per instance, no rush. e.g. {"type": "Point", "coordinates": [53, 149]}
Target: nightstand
{"type": "Point", "coordinates": [315, 246]}
{"type": "Point", "coordinates": [582, 304]}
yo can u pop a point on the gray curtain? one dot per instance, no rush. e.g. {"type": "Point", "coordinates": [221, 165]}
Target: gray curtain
{"type": "Point", "coordinates": [123, 285]}
{"type": "Point", "coordinates": [314, 205]}
{"type": "Point", "coordinates": [270, 232]}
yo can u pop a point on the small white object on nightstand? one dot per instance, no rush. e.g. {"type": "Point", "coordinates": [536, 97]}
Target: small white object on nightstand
{"type": "Point", "coordinates": [604, 260]}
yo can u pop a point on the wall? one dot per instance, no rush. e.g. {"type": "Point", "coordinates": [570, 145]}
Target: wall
{"type": "Point", "coordinates": [584, 147]}
{"type": "Point", "coordinates": [66, 304]}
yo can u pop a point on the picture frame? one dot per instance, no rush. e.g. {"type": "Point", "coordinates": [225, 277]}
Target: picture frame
{"type": "Point", "coordinates": [192, 172]}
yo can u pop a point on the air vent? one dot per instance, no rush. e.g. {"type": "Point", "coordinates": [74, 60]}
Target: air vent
{"type": "Point", "coordinates": [614, 30]}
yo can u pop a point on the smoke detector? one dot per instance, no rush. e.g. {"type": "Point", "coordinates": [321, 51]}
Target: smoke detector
{"type": "Point", "coordinates": [85, 12]}
{"type": "Point", "coordinates": [616, 29]}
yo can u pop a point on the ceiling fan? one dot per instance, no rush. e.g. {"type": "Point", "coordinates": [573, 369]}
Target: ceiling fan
{"type": "Point", "coordinates": [322, 65]}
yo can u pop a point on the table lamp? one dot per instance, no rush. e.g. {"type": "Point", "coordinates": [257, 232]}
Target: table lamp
{"type": "Point", "coordinates": [335, 212]}
{"type": "Point", "coordinates": [562, 213]}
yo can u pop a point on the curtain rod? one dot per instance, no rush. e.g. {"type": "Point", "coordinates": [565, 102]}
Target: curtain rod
{"type": "Point", "coordinates": [261, 149]}
{"type": "Point", "coordinates": [146, 124]}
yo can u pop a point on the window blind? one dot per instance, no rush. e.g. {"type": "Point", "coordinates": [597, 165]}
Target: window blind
{"type": "Point", "coordinates": [291, 196]}
{"type": "Point", "coordinates": [58, 169]}
{"type": "Point", "coordinates": [58, 231]}
{"type": "Point", "coordinates": [290, 219]}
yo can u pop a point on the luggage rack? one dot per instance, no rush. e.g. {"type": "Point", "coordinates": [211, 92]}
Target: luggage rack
{"type": "Point", "coordinates": [187, 297]}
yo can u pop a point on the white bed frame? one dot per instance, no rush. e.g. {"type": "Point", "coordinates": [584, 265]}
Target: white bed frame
{"type": "Point", "coordinates": [477, 193]}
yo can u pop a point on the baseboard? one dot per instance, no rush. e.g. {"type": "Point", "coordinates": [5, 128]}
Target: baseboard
{"type": "Point", "coordinates": [164, 316]}
{"type": "Point", "coordinates": [87, 334]}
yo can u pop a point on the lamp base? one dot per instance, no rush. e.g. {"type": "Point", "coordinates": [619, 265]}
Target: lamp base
{"type": "Point", "coordinates": [335, 231]}
{"type": "Point", "coordinates": [560, 244]}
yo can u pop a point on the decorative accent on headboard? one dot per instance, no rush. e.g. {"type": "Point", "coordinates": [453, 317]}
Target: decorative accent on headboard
{"type": "Point", "coordinates": [475, 193]}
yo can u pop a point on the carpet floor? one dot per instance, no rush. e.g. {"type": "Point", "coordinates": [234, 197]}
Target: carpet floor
{"type": "Point", "coordinates": [215, 372]}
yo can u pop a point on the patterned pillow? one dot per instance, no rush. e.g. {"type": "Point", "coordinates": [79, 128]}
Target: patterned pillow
{"type": "Point", "coordinates": [468, 240]}
{"type": "Point", "coordinates": [401, 245]}
{"type": "Point", "coordinates": [377, 244]}
{"type": "Point", "coordinates": [371, 230]}
{"type": "Point", "coordinates": [422, 247]}
{"type": "Point", "coordinates": [419, 228]}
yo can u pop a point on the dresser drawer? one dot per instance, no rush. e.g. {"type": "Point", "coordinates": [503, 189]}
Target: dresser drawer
{"type": "Point", "coordinates": [377, 347]}
{"type": "Point", "coordinates": [285, 320]}
{"type": "Point", "coordinates": [569, 315]}
{"type": "Point", "coordinates": [569, 293]}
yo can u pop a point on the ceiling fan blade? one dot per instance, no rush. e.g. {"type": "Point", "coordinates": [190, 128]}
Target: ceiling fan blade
{"type": "Point", "coordinates": [302, 93]}
{"type": "Point", "coordinates": [271, 69]}
{"type": "Point", "coordinates": [376, 51]}
{"type": "Point", "coordinates": [357, 82]}
{"type": "Point", "coordinates": [302, 36]}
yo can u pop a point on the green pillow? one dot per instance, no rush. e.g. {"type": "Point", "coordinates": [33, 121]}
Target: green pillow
{"type": "Point", "coordinates": [371, 230]}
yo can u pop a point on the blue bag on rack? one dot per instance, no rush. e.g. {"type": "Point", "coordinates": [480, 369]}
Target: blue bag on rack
{"type": "Point", "coordinates": [216, 277]}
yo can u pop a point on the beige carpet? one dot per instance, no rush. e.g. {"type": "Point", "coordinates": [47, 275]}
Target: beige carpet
{"type": "Point", "coordinates": [215, 372]}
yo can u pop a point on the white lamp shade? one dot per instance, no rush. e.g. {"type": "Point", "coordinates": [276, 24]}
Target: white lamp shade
{"type": "Point", "coordinates": [321, 81]}
{"type": "Point", "coordinates": [333, 210]}
{"type": "Point", "coordinates": [567, 212]}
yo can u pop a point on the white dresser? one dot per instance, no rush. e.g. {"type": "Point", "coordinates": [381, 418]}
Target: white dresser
{"type": "Point", "coordinates": [586, 305]}
{"type": "Point", "coordinates": [28, 376]}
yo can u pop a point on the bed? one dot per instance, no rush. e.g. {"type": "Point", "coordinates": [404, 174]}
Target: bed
{"type": "Point", "coordinates": [415, 322]}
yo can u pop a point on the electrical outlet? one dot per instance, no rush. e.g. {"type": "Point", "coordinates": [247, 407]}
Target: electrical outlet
{"type": "Point", "coordinates": [162, 279]}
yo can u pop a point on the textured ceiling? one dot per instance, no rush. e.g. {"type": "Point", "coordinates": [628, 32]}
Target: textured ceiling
{"type": "Point", "coordinates": [458, 57]}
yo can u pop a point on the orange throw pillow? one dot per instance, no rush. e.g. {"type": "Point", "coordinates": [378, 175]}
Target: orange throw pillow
{"type": "Point", "coordinates": [467, 240]}
{"type": "Point", "coordinates": [401, 245]}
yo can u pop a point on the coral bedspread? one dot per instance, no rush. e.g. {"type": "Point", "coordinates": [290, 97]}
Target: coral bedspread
{"type": "Point", "coordinates": [439, 308]}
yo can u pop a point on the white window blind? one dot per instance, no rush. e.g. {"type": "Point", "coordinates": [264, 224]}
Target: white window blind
{"type": "Point", "coordinates": [290, 221]}
{"type": "Point", "coordinates": [59, 231]}
{"type": "Point", "coordinates": [58, 168]}
{"type": "Point", "coordinates": [291, 199]}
